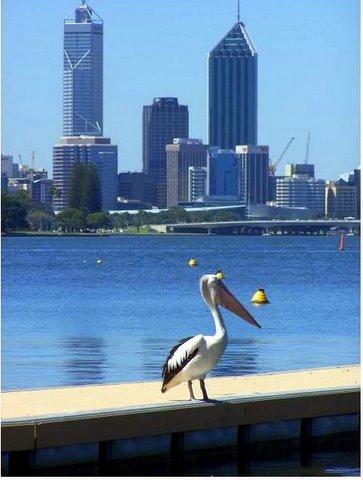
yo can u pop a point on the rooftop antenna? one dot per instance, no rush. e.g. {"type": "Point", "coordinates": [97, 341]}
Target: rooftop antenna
{"type": "Point", "coordinates": [238, 12]}
{"type": "Point", "coordinates": [32, 161]}
{"type": "Point", "coordinates": [307, 148]}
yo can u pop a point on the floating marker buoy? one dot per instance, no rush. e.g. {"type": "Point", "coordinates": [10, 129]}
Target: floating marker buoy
{"type": "Point", "coordinates": [192, 262]}
{"type": "Point", "coordinates": [84, 261]}
{"type": "Point", "coordinates": [219, 275]}
{"type": "Point", "coordinates": [99, 261]}
{"type": "Point", "coordinates": [259, 296]}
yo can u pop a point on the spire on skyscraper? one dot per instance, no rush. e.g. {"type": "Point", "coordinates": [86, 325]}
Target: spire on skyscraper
{"type": "Point", "coordinates": [238, 12]}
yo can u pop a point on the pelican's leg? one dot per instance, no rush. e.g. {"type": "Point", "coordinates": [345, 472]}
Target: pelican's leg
{"type": "Point", "coordinates": [191, 390]}
{"type": "Point", "coordinates": [204, 391]}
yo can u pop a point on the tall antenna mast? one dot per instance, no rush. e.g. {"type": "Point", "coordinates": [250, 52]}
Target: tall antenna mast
{"type": "Point", "coordinates": [307, 149]}
{"type": "Point", "coordinates": [238, 12]}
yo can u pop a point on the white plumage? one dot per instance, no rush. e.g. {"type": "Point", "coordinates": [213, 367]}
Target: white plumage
{"type": "Point", "coordinates": [194, 357]}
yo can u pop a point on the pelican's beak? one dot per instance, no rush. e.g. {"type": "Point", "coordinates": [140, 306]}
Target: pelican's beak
{"type": "Point", "coordinates": [224, 298]}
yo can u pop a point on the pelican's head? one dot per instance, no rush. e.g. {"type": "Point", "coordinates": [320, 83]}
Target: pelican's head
{"type": "Point", "coordinates": [215, 293]}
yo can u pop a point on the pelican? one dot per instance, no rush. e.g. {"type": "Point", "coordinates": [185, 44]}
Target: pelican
{"type": "Point", "coordinates": [194, 357]}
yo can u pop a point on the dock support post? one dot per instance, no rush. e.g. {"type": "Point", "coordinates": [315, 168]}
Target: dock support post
{"type": "Point", "coordinates": [20, 463]}
{"type": "Point", "coordinates": [103, 456]}
{"type": "Point", "coordinates": [306, 425]}
{"type": "Point", "coordinates": [176, 453]}
{"type": "Point", "coordinates": [243, 450]}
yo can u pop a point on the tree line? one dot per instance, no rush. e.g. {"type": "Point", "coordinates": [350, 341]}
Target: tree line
{"type": "Point", "coordinates": [85, 210]}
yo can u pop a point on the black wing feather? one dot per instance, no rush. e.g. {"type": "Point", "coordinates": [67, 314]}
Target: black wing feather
{"type": "Point", "coordinates": [167, 374]}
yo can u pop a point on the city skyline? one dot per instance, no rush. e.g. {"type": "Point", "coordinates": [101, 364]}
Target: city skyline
{"type": "Point", "coordinates": [340, 114]}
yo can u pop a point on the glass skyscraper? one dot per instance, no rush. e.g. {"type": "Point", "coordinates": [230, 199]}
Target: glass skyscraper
{"type": "Point", "coordinates": [83, 73]}
{"type": "Point", "coordinates": [83, 139]}
{"type": "Point", "coordinates": [162, 121]}
{"type": "Point", "coordinates": [233, 90]}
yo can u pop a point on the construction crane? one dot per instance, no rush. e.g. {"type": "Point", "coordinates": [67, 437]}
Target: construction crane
{"type": "Point", "coordinates": [307, 148]}
{"type": "Point", "coordinates": [273, 165]}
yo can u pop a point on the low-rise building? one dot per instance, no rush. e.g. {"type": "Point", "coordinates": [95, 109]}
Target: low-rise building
{"type": "Point", "coordinates": [307, 169]}
{"type": "Point", "coordinates": [197, 183]}
{"type": "Point", "coordinates": [180, 155]}
{"type": "Point", "coordinates": [253, 173]}
{"type": "Point", "coordinates": [301, 191]}
{"type": "Point", "coordinates": [41, 191]}
{"type": "Point", "coordinates": [7, 165]}
{"type": "Point", "coordinates": [85, 149]}
{"type": "Point", "coordinates": [340, 199]}
{"type": "Point", "coordinates": [136, 186]}
{"type": "Point", "coordinates": [223, 172]}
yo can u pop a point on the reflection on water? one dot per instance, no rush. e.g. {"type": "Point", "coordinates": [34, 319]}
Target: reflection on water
{"type": "Point", "coordinates": [85, 359]}
{"type": "Point", "coordinates": [240, 357]}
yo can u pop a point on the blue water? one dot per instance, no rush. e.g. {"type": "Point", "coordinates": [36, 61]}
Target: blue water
{"type": "Point", "coordinates": [66, 322]}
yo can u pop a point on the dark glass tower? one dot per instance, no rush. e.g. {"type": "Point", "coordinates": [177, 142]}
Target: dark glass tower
{"type": "Point", "coordinates": [162, 121]}
{"type": "Point", "coordinates": [233, 90]}
{"type": "Point", "coordinates": [83, 73]}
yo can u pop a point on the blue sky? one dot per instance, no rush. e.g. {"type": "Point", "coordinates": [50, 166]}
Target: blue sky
{"type": "Point", "coordinates": [308, 72]}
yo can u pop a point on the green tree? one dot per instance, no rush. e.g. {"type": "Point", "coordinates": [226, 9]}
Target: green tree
{"type": "Point", "coordinates": [76, 187]}
{"type": "Point", "coordinates": [85, 191]}
{"type": "Point", "coordinates": [40, 220]}
{"type": "Point", "coordinates": [91, 191]}
{"type": "Point", "coordinates": [226, 216]}
{"type": "Point", "coordinates": [14, 211]}
{"type": "Point", "coordinates": [98, 220]}
{"type": "Point", "coordinates": [121, 220]}
{"type": "Point", "coordinates": [70, 220]}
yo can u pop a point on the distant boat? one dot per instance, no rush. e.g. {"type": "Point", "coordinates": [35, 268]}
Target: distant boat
{"type": "Point", "coordinates": [266, 234]}
{"type": "Point", "coordinates": [342, 242]}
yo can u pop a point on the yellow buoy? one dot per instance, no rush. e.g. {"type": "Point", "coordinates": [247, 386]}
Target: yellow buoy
{"type": "Point", "coordinates": [192, 262]}
{"type": "Point", "coordinates": [259, 296]}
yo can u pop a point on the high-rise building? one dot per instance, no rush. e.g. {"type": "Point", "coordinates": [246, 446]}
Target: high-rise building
{"type": "Point", "coordinates": [253, 164]}
{"type": "Point", "coordinates": [96, 150]}
{"type": "Point", "coordinates": [197, 183]}
{"type": "Point", "coordinates": [83, 73]}
{"type": "Point", "coordinates": [83, 139]}
{"type": "Point", "coordinates": [233, 90]}
{"type": "Point", "coordinates": [162, 121]}
{"type": "Point", "coordinates": [180, 155]}
{"type": "Point", "coordinates": [222, 169]}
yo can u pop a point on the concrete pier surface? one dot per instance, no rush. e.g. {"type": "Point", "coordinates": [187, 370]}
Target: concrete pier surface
{"type": "Point", "coordinates": [76, 400]}
{"type": "Point", "coordinates": [101, 424]}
